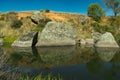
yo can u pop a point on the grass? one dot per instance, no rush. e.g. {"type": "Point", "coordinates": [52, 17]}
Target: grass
{"type": "Point", "coordinates": [38, 28]}
{"type": "Point", "coordinates": [40, 77]}
{"type": "Point", "coordinates": [8, 40]}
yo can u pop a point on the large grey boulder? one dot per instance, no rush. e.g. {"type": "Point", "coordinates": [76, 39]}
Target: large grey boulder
{"type": "Point", "coordinates": [27, 40]}
{"type": "Point", "coordinates": [1, 42]}
{"type": "Point", "coordinates": [57, 34]}
{"type": "Point", "coordinates": [106, 40]}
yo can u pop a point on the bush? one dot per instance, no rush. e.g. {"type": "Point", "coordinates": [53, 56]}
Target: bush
{"type": "Point", "coordinates": [102, 28]}
{"type": "Point", "coordinates": [2, 17]}
{"type": "Point", "coordinates": [41, 11]}
{"type": "Point", "coordinates": [116, 21]}
{"type": "Point", "coordinates": [16, 24]}
{"type": "Point", "coordinates": [95, 11]}
{"type": "Point", "coordinates": [11, 16]}
{"type": "Point", "coordinates": [47, 10]}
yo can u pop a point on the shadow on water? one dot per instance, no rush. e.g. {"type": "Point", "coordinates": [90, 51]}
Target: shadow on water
{"type": "Point", "coordinates": [71, 62]}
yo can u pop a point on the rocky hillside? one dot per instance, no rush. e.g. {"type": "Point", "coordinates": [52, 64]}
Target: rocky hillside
{"type": "Point", "coordinates": [14, 24]}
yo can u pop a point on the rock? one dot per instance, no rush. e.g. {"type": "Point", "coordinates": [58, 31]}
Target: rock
{"type": "Point", "coordinates": [28, 40]}
{"type": "Point", "coordinates": [40, 19]}
{"type": "Point", "coordinates": [96, 36]}
{"type": "Point", "coordinates": [1, 42]}
{"type": "Point", "coordinates": [89, 42]}
{"type": "Point", "coordinates": [86, 42]}
{"type": "Point", "coordinates": [82, 42]}
{"type": "Point", "coordinates": [57, 34]}
{"type": "Point", "coordinates": [106, 40]}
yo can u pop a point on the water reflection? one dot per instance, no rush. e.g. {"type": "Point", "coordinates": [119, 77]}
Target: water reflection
{"type": "Point", "coordinates": [56, 55]}
{"type": "Point", "coordinates": [72, 63]}
{"type": "Point", "coordinates": [44, 57]}
{"type": "Point", "coordinates": [106, 54]}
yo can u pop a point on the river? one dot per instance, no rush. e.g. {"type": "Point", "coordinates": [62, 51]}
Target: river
{"type": "Point", "coordinates": [69, 62]}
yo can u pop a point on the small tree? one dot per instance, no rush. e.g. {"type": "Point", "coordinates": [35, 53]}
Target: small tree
{"type": "Point", "coordinates": [95, 11]}
{"type": "Point", "coordinates": [114, 5]}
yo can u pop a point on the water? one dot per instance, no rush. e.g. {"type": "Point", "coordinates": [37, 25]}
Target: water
{"type": "Point", "coordinates": [71, 63]}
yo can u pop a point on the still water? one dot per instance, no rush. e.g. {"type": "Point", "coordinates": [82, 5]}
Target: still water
{"type": "Point", "coordinates": [70, 62]}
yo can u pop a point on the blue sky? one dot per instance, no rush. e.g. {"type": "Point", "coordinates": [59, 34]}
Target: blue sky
{"type": "Point", "coordinates": [77, 6]}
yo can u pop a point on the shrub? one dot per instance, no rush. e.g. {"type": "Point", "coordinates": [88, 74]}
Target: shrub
{"type": "Point", "coordinates": [16, 24]}
{"type": "Point", "coordinates": [102, 28]}
{"type": "Point", "coordinates": [47, 10]}
{"type": "Point", "coordinates": [2, 17]}
{"type": "Point", "coordinates": [11, 16]}
{"type": "Point", "coordinates": [116, 21]}
{"type": "Point", "coordinates": [95, 11]}
{"type": "Point", "coordinates": [41, 11]}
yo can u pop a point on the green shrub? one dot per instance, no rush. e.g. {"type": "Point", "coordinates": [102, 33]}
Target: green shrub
{"type": "Point", "coordinates": [41, 11]}
{"type": "Point", "coordinates": [116, 21]}
{"type": "Point", "coordinates": [47, 10]}
{"type": "Point", "coordinates": [102, 28]}
{"type": "Point", "coordinates": [2, 17]}
{"type": "Point", "coordinates": [95, 11]}
{"type": "Point", "coordinates": [16, 24]}
{"type": "Point", "coordinates": [117, 38]}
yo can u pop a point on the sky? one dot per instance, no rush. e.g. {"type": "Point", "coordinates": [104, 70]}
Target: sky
{"type": "Point", "coordinates": [76, 6]}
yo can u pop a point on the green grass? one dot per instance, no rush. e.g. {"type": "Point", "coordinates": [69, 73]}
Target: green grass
{"type": "Point", "coordinates": [38, 28]}
{"type": "Point", "coordinates": [8, 40]}
{"type": "Point", "coordinates": [40, 77]}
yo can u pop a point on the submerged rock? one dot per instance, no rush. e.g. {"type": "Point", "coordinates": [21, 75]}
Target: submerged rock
{"type": "Point", "coordinates": [1, 42]}
{"type": "Point", "coordinates": [57, 34]}
{"type": "Point", "coordinates": [27, 40]}
{"type": "Point", "coordinates": [106, 40]}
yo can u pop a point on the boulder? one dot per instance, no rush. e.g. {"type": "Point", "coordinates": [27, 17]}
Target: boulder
{"type": "Point", "coordinates": [86, 42]}
{"type": "Point", "coordinates": [89, 42]}
{"type": "Point", "coordinates": [1, 42]}
{"type": "Point", "coordinates": [40, 19]}
{"type": "Point", "coordinates": [57, 34]}
{"type": "Point", "coordinates": [106, 40]}
{"type": "Point", "coordinates": [27, 40]}
{"type": "Point", "coordinates": [96, 36]}
{"type": "Point", "coordinates": [82, 42]}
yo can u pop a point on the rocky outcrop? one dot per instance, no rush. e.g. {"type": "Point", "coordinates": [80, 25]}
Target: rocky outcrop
{"type": "Point", "coordinates": [40, 19]}
{"type": "Point", "coordinates": [57, 34]}
{"type": "Point", "coordinates": [106, 40]}
{"type": "Point", "coordinates": [1, 42]}
{"type": "Point", "coordinates": [27, 40]}
{"type": "Point", "coordinates": [96, 36]}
